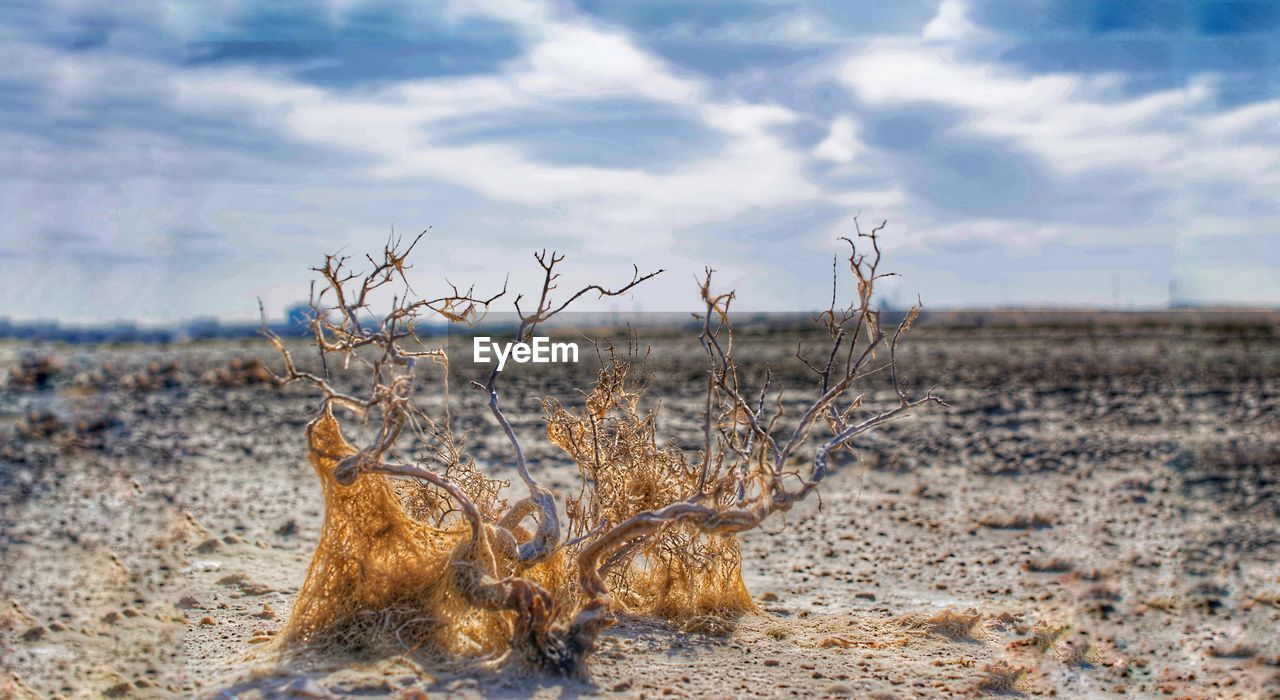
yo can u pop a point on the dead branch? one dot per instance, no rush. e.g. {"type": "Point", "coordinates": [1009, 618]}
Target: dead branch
{"type": "Point", "coordinates": [651, 521]}
{"type": "Point", "coordinates": [546, 538]}
{"type": "Point", "coordinates": [744, 456]}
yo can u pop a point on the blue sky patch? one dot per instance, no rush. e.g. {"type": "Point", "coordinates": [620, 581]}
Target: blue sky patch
{"type": "Point", "coordinates": [168, 160]}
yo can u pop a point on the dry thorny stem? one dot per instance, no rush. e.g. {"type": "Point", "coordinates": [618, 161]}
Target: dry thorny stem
{"type": "Point", "coordinates": [745, 471]}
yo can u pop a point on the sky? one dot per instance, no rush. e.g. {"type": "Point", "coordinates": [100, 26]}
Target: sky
{"type": "Point", "coordinates": [168, 160]}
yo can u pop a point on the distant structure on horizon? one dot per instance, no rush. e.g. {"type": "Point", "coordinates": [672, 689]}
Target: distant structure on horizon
{"type": "Point", "coordinates": [296, 323]}
{"type": "Point", "coordinates": [1175, 295]}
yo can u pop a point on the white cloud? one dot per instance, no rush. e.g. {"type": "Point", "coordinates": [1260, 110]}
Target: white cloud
{"type": "Point", "coordinates": [1072, 121]}
{"type": "Point", "coordinates": [528, 13]}
{"type": "Point", "coordinates": [910, 72]}
{"type": "Point", "coordinates": [842, 144]}
{"type": "Point", "coordinates": [128, 180]}
{"type": "Point", "coordinates": [577, 60]}
{"type": "Point", "coordinates": [607, 216]}
{"type": "Point", "coordinates": [951, 23]}
{"type": "Point", "coordinates": [1213, 169]}
{"type": "Point", "coordinates": [572, 61]}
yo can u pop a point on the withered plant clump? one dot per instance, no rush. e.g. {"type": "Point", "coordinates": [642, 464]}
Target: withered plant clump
{"type": "Point", "coordinates": [154, 377]}
{"type": "Point", "coordinates": [423, 554]}
{"type": "Point", "coordinates": [35, 372]}
{"type": "Point", "coordinates": [239, 371]}
{"type": "Point", "coordinates": [681, 571]}
{"type": "Point", "coordinates": [46, 426]}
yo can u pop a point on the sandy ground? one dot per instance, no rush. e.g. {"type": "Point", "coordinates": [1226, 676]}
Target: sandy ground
{"type": "Point", "coordinates": [1098, 515]}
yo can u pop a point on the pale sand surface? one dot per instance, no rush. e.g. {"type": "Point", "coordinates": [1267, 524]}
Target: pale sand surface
{"type": "Point", "coordinates": [1097, 516]}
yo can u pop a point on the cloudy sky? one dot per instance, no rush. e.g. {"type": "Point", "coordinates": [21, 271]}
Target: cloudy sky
{"type": "Point", "coordinates": [164, 160]}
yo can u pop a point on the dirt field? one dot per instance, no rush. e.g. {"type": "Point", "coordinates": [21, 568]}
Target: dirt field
{"type": "Point", "coordinates": [1098, 515]}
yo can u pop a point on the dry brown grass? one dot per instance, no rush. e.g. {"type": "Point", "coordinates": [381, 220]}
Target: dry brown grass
{"type": "Point", "coordinates": [46, 426]}
{"type": "Point", "coordinates": [1049, 565]}
{"type": "Point", "coordinates": [956, 625]}
{"type": "Point", "coordinates": [239, 371]}
{"type": "Point", "coordinates": [1003, 678]}
{"type": "Point", "coordinates": [1233, 650]}
{"type": "Point", "coordinates": [35, 372]}
{"type": "Point", "coordinates": [1017, 521]}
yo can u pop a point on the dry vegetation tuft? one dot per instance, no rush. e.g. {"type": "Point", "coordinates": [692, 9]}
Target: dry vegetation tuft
{"type": "Point", "coordinates": [956, 625]}
{"type": "Point", "coordinates": [1002, 678]}
{"type": "Point", "coordinates": [87, 433]}
{"type": "Point", "coordinates": [450, 569]}
{"type": "Point", "coordinates": [35, 372]}
{"type": "Point", "coordinates": [1016, 521]}
{"type": "Point", "coordinates": [239, 372]}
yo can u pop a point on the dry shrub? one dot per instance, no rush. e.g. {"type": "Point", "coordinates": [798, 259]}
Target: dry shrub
{"type": "Point", "coordinates": [1233, 650]}
{"type": "Point", "coordinates": [1044, 635]}
{"type": "Point", "coordinates": [40, 425]}
{"type": "Point", "coordinates": [46, 426]}
{"type": "Point", "coordinates": [1271, 598]}
{"type": "Point", "coordinates": [13, 687]}
{"type": "Point", "coordinates": [956, 625]}
{"type": "Point", "coordinates": [14, 618]}
{"type": "Point", "coordinates": [35, 372]}
{"type": "Point", "coordinates": [239, 371]}
{"type": "Point", "coordinates": [1016, 521]}
{"type": "Point", "coordinates": [379, 578]}
{"type": "Point", "coordinates": [680, 572]}
{"type": "Point", "coordinates": [713, 625]}
{"type": "Point", "coordinates": [1237, 471]}
{"type": "Point", "coordinates": [1049, 565]}
{"type": "Point", "coordinates": [1002, 678]}
{"type": "Point", "coordinates": [441, 565]}
{"type": "Point", "coordinates": [154, 377]}
{"type": "Point", "coordinates": [1168, 604]}
{"type": "Point", "coordinates": [92, 380]}
{"type": "Point", "coordinates": [1076, 649]}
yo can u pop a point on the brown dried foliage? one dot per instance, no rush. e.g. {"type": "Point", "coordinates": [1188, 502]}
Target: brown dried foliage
{"type": "Point", "coordinates": [35, 372]}
{"type": "Point", "coordinates": [444, 566]}
{"type": "Point", "coordinates": [679, 572]}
